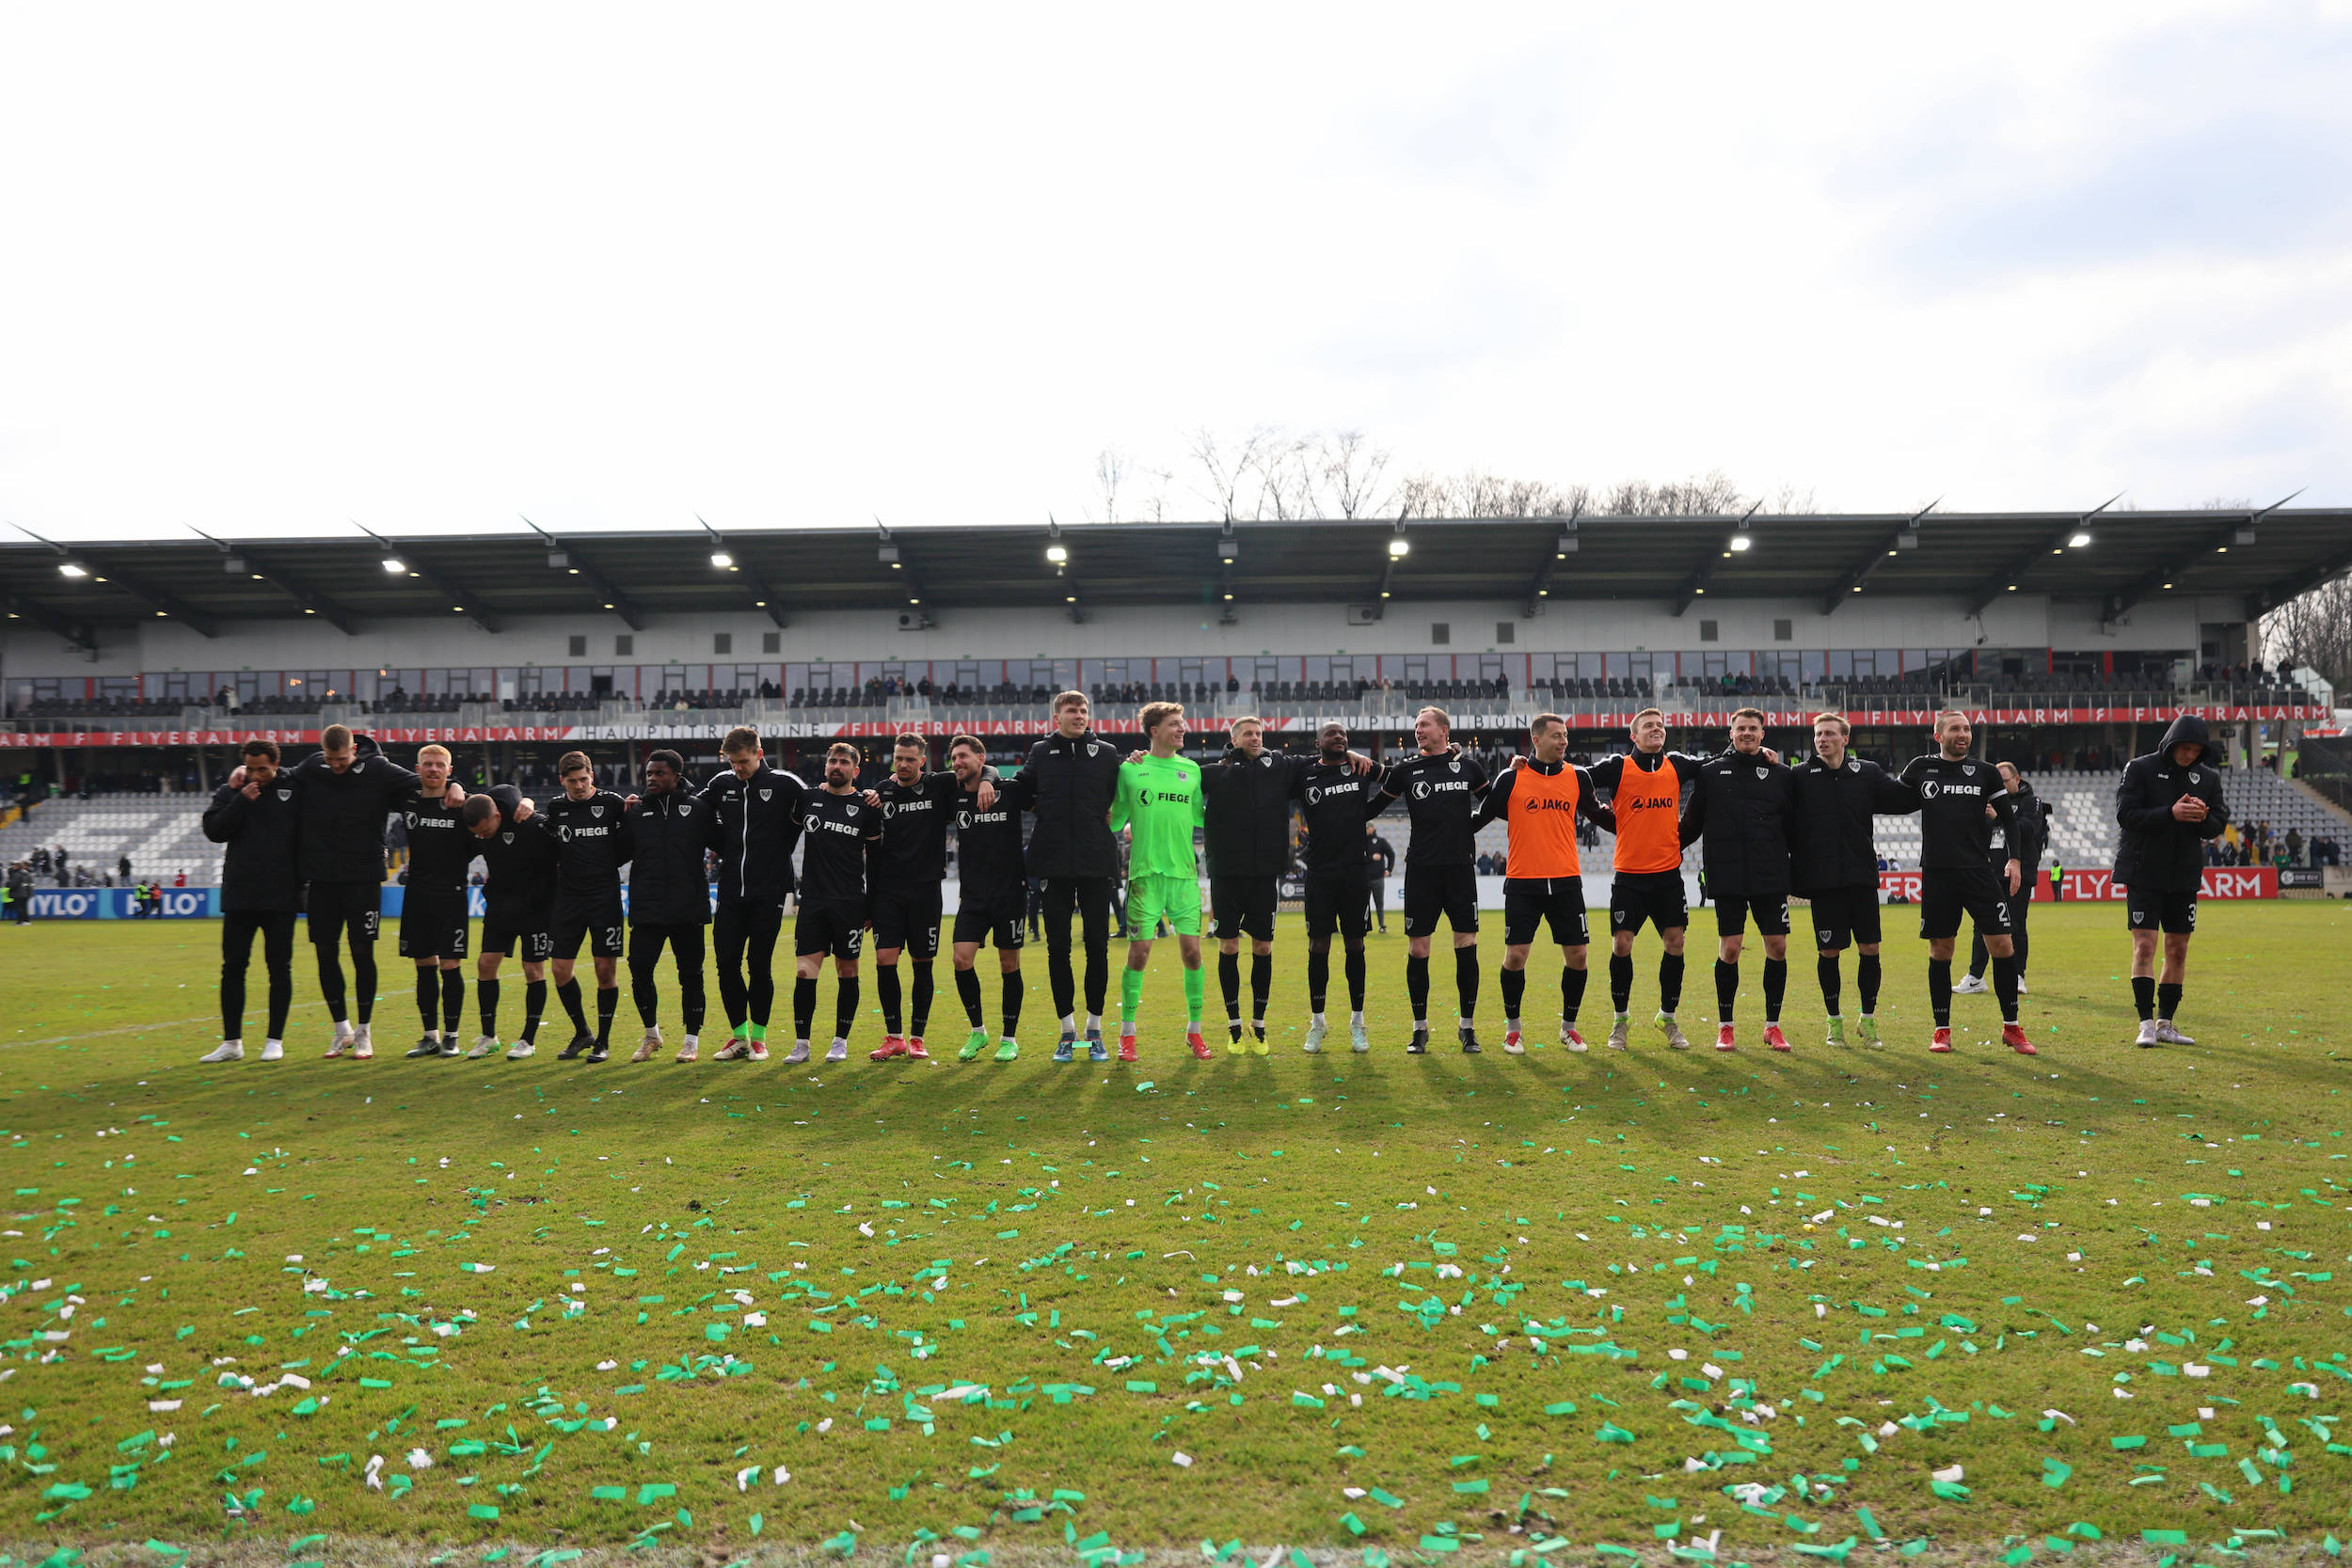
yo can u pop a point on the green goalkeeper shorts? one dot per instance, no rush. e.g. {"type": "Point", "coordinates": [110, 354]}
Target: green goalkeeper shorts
{"type": "Point", "coordinates": [1150, 898]}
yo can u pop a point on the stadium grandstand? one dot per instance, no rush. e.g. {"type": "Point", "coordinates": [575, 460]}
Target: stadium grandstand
{"type": "Point", "coordinates": [130, 671]}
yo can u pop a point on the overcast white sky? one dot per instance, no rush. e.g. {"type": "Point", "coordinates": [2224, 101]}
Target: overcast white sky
{"type": "Point", "coordinates": [271, 269]}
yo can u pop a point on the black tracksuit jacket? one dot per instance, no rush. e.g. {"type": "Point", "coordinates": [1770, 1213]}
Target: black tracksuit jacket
{"type": "Point", "coordinates": [1072, 784]}
{"type": "Point", "coordinates": [2160, 853]}
{"type": "Point", "coordinates": [263, 870]}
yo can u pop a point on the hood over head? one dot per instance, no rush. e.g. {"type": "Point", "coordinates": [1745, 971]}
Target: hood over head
{"type": "Point", "coordinates": [2187, 730]}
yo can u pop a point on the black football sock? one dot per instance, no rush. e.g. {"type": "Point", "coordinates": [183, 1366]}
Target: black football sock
{"type": "Point", "coordinates": [1260, 985]}
{"type": "Point", "coordinates": [1978, 956]}
{"type": "Point", "coordinates": [845, 1007]}
{"type": "Point", "coordinates": [2005, 987]}
{"type": "Point", "coordinates": [1014, 988]}
{"type": "Point", "coordinates": [1825, 966]}
{"type": "Point", "coordinates": [1060, 977]}
{"type": "Point", "coordinates": [692, 999]}
{"type": "Point", "coordinates": [804, 1004]}
{"type": "Point", "coordinates": [535, 1004]}
{"type": "Point", "coordinates": [886, 988]}
{"type": "Point", "coordinates": [1726, 990]}
{"type": "Point", "coordinates": [1354, 965]}
{"type": "Point", "coordinates": [919, 1003]}
{"type": "Point", "coordinates": [1229, 986]}
{"type": "Point", "coordinates": [232, 1002]}
{"type": "Point", "coordinates": [363, 981]}
{"type": "Point", "coordinates": [486, 1004]}
{"type": "Point", "coordinates": [759, 989]}
{"type": "Point", "coordinates": [2167, 1002]}
{"type": "Point", "coordinates": [1465, 980]}
{"type": "Point", "coordinates": [2017, 942]}
{"type": "Point", "coordinates": [968, 992]}
{"type": "Point", "coordinates": [1940, 990]}
{"type": "Point", "coordinates": [1669, 983]}
{"type": "Point", "coordinates": [1620, 981]}
{"type": "Point", "coordinates": [568, 993]}
{"type": "Point", "coordinates": [1318, 977]}
{"type": "Point", "coordinates": [331, 984]}
{"type": "Point", "coordinates": [1572, 982]}
{"type": "Point", "coordinates": [429, 998]}
{"type": "Point", "coordinates": [1775, 988]}
{"type": "Point", "coordinates": [1417, 990]}
{"type": "Point", "coordinates": [1866, 982]}
{"type": "Point", "coordinates": [1098, 972]}
{"type": "Point", "coordinates": [2144, 996]}
{"type": "Point", "coordinates": [642, 992]}
{"type": "Point", "coordinates": [608, 1003]}
{"type": "Point", "coordinates": [452, 1001]}
{"type": "Point", "coordinates": [1513, 991]}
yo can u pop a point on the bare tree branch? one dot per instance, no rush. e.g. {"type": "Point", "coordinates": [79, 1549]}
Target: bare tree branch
{"type": "Point", "coordinates": [1351, 467]}
{"type": "Point", "coordinates": [1113, 470]}
{"type": "Point", "coordinates": [1228, 470]}
{"type": "Point", "coordinates": [2315, 629]}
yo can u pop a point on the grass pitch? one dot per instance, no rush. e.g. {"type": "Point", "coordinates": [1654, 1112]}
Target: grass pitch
{"type": "Point", "coordinates": [1419, 1309]}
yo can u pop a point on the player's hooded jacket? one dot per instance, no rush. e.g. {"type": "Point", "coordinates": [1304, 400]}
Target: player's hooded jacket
{"type": "Point", "coordinates": [1248, 831]}
{"type": "Point", "coordinates": [1074, 782]}
{"type": "Point", "coordinates": [1833, 846]}
{"type": "Point", "coordinates": [343, 814]}
{"type": "Point", "coordinates": [1742, 807]}
{"type": "Point", "coordinates": [2159, 854]}
{"type": "Point", "coordinates": [667, 836]}
{"type": "Point", "coordinates": [262, 871]}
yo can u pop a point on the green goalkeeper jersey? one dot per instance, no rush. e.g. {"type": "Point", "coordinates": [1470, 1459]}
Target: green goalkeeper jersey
{"type": "Point", "coordinates": [1162, 798]}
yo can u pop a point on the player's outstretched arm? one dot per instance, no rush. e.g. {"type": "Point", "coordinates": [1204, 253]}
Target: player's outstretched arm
{"type": "Point", "coordinates": [1588, 800]}
{"type": "Point", "coordinates": [1694, 820]}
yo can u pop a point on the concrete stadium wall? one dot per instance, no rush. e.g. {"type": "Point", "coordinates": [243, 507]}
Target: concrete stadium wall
{"type": "Point", "coordinates": [1564, 627]}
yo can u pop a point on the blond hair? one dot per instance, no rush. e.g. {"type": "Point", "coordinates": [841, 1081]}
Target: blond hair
{"type": "Point", "coordinates": [1836, 719]}
{"type": "Point", "coordinates": [1444, 717]}
{"type": "Point", "coordinates": [1155, 714]}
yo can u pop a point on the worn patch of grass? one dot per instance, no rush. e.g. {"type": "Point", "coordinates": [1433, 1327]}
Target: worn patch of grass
{"type": "Point", "coordinates": [1001, 1300]}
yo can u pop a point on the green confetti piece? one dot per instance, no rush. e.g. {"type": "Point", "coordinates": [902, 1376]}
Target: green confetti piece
{"type": "Point", "coordinates": [481, 1511]}
{"type": "Point", "coordinates": [2054, 1473]}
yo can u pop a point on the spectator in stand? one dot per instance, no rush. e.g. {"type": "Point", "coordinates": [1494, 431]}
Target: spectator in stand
{"type": "Point", "coordinates": [180, 879]}
{"type": "Point", "coordinates": [123, 864]}
{"type": "Point", "coordinates": [2294, 846]}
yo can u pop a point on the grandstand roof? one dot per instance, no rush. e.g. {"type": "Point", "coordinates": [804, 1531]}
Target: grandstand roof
{"type": "Point", "coordinates": [2259, 557]}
